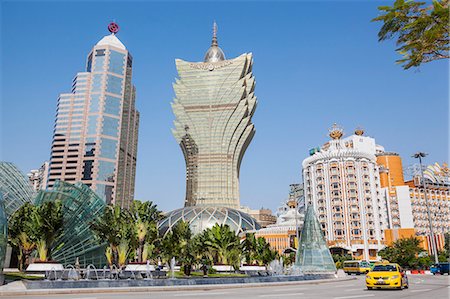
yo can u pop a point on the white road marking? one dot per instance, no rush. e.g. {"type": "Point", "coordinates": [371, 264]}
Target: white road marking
{"type": "Point", "coordinates": [291, 288]}
{"type": "Point", "coordinates": [206, 293]}
{"type": "Point", "coordinates": [355, 296]}
{"type": "Point", "coordinates": [350, 290]}
{"type": "Point", "coordinates": [345, 285]}
{"type": "Point", "coordinates": [281, 295]}
{"type": "Point", "coordinates": [421, 290]}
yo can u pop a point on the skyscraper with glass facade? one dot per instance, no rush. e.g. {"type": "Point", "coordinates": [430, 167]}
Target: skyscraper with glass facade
{"type": "Point", "coordinates": [214, 106]}
{"type": "Point", "coordinates": [96, 128]}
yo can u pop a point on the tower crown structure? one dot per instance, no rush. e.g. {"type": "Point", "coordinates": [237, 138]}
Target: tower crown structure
{"type": "Point", "coordinates": [214, 106]}
{"type": "Point", "coordinates": [214, 52]}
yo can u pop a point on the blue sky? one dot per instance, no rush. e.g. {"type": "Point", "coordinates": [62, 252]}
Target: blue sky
{"type": "Point", "coordinates": [315, 63]}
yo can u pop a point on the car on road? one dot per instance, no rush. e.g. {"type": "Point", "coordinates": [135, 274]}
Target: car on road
{"type": "Point", "coordinates": [386, 276]}
{"type": "Point", "coordinates": [440, 268]}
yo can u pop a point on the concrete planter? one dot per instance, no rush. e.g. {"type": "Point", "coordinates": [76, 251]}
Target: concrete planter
{"type": "Point", "coordinates": [223, 268]}
{"type": "Point", "coordinates": [43, 267]}
{"type": "Point", "coordinates": [252, 268]}
{"type": "Point", "coordinates": [139, 267]}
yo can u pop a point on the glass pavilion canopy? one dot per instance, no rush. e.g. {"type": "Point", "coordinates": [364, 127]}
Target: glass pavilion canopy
{"type": "Point", "coordinates": [203, 217]}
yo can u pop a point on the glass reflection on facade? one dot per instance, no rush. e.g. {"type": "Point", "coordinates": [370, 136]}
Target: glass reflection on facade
{"type": "Point", "coordinates": [313, 254]}
{"type": "Point", "coordinates": [81, 206]}
{"type": "Point", "coordinates": [15, 187]}
{"type": "Point", "coordinates": [214, 106]}
{"type": "Point", "coordinates": [95, 137]}
{"type": "Point", "coordinates": [202, 217]}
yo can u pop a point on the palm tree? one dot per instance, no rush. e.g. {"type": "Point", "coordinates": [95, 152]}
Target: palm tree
{"type": "Point", "coordinates": [249, 248]}
{"type": "Point", "coordinates": [181, 245]}
{"type": "Point", "coordinates": [47, 225]}
{"type": "Point", "coordinates": [27, 245]}
{"type": "Point", "coordinates": [264, 253]}
{"type": "Point", "coordinates": [113, 226]}
{"type": "Point", "coordinates": [141, 232]}
{"type": "Point", "coordinates": [146, 215]}
{"type": "Point", "coordinates": [20, 233]}
{"type": "Point", "coordinates": [222, 243]}
{"type": "Point", "coordinates": [146, 211]}
{"type": "Point", "coordinates": [123, 251]}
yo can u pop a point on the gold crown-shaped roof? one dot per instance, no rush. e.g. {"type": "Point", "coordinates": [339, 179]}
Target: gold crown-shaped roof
{"type": "Point", "coordinates": [359, 131]}
{"type": "Point", "coordinates": [336, 131]}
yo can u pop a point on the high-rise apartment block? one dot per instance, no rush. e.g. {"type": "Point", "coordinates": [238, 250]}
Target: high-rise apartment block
{"type": "Point", "coordinates": [342, 183]}
{"type": "Point", "coordinates": [38, 177]}
{"type": "Point", "coordinates": [96, 128]}
{"type": "Point", "coordinates": [214, 105]}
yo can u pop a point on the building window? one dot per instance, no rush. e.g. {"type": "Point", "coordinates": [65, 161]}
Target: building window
{"type": "Point", "coordinates": [87, 171]}
{"type": "Point", "coordinates": [112, 105]}
{"type": "Point", "coordinates": [116, 62]}
{"type": "Point", "coordinates": [114, 85]}
{"type": "Point", "coordinates": [110, 126]}
{"type": "Point", "coordinates": [97, 83]}
{"type": "Point", "coordinates": [108, 148]}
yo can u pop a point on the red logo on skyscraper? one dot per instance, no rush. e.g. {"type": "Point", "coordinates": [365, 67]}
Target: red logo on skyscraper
{"type": "Point", "coordinates": [113, 27]}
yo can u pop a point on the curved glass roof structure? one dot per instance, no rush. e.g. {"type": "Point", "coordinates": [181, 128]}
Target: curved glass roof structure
{"type": "Point", "coordinates": [15, 187]}
{"type": "Point", "coordinates": [81, 206]}
{"type": "Point", "coordinates": [203, 217]}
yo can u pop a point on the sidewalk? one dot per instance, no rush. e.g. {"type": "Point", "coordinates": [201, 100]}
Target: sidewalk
{"type": "Point", "coordinates": [17, 288]}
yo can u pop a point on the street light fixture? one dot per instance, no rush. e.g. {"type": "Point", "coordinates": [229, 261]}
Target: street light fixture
{"type": "Point", "coordinates": [420, 155]}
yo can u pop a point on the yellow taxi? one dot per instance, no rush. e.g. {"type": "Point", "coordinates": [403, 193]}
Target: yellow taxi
{"type": "Point", "coordinates": [386, 276]}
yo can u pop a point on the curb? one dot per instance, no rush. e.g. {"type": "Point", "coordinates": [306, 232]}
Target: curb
{"type": "Point", "coordinates": [169, 288]}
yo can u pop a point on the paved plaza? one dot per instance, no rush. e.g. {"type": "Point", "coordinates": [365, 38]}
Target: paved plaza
{"type": "Point", "coordinates": [420, 286]}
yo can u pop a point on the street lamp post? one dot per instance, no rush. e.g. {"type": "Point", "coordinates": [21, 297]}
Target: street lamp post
{"type": "Point", "coordinates": [420, 155]}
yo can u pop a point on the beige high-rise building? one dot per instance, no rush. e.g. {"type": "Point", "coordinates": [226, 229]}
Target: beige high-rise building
{"type": "Point", "coordinates": [96, 128]}
{"type": "Point", "coordinates": [341, 182]}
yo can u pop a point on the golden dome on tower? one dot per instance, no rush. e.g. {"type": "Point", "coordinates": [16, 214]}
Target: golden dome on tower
{"type": "Point", "coordinates": [359, 131]}
{"type": "Point", "coordinates": [336, 131]}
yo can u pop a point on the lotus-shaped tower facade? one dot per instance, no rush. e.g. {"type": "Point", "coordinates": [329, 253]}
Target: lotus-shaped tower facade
{"type": "Point", "coordinates": [214, 106]}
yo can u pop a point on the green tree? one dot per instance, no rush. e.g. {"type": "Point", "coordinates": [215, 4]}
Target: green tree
{"type": "Point", "coordinates": [223, 244]}
{"type": "Point", "coordinates": [249, 248]}
{"type": "Point", "coordinates": [422, 32]}
{"type": "Point", "coordinates": [264, 254]}
{"type": "Point", "coordinates": [146, 211]}
{"type": "Point", "coordinates": [181, 245]}
{"type": "Point", "coordinates": [47, 225]}
{"type": "Point", "coordinates": [20, 234]}
{"type": "Point", "coordinates": [32, 227]}
{"type": "Point", "coordinates": [146, 216]}
{"type": "Point", "coordinates": [403, 252]}
{"type": "Point", "coordinates": [113, 226]}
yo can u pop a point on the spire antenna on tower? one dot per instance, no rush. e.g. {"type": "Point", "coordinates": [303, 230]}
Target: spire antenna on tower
{"type": "Point", "coordinates": [214, 38]}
